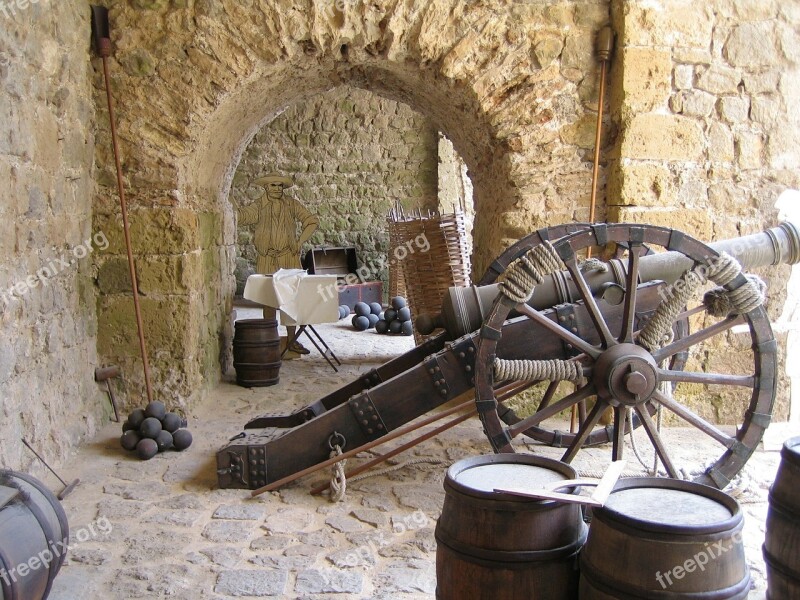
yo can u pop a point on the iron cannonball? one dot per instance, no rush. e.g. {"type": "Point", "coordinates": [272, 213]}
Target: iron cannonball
{"type": "Point", "coordinates": [404, 314]}
{"type": "Point", "coordinates": [390, 315]}
{"type": "Point", "coordinates": [164, 440]}
{"type": "Point", "coordinates": [398, 302]}
{"type": "Point", "coordinates": [146, 449]}
{"type": "Point", "coordinates": [156, 409]}
{"type": "Point", "coordinates": [129, 440]}
{"type": "Point", "coordinates": [182, 439]}
{"type": "Point", "coordinates": [395, 327]}
{"type": "Point", "coordinates": [136, 417]}
{"type": "Point", "coordinates": [381, 327]}
{"type": "Point", "coordinates": [407, 328]}
{"type": "Point", "coordinates": [361, 323]}
{"type": "Point", "coordinates": [375, 307]}
{"type": "Point", "coordinates": [171, 422]}
{"type": "Point", "coordinates": [150, 428]}
{"type": "Point", "coordinates": [128, 426]}
{"type": "Point", "coordinates": [373, 320]}
{"type": "Point", "coordinates": [362, 309]}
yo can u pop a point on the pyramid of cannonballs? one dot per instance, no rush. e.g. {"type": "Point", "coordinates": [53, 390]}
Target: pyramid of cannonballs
{"type": "Point", "coordinates": [152, 429]}
{"type": "Point", "coordinates": [396, 319]}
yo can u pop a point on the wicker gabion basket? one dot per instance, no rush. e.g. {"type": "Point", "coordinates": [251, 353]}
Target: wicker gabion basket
{"type": "Point", "coordinates": [435, 258]}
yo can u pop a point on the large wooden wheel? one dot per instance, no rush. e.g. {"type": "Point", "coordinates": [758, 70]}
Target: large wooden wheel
{"type": "Point", "coordinates": [626, 377]}
{"type": "Point", "coordinates": [549, 391]}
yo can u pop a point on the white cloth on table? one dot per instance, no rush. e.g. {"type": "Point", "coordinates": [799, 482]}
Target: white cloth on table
{"type": "Point", "coordinates": [302, 299]}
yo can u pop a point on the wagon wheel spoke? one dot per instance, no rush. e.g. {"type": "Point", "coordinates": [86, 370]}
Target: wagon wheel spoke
{"type": "Point", "coordinates": [706, 378]}
{"type": "Point", "coordinates": [548, 395]}
{"type": "Point", "coordinates": [584, 431]}
{"type": "Point", "coordinates": [618, 443]}
{"type": "Point", "coordinates": [631, 283]}
{"type": "Point", "coordinates": [693, 419]}
{"type": "Point", "coordinates": [655, 439]}
{"type": "Point", "coordinates": [588, 298]}
{"type": "Point", "coordinates": [563, 333]}
{"type": "Point", "coordinates": [551, 410]}
{"type": "Point", "coordinates": [696, 338]}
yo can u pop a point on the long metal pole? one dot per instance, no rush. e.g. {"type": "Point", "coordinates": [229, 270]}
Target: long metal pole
{"type": "Point", "coordinates": [605, 44]}
{"type": "Point", "coordinates": [104, 49]}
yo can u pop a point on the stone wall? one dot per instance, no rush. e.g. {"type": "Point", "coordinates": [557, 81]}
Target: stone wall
{"type": "Point", "coordinates": [352, 156]}
{"type": "Point", "coordinates": [705, 95]}
{"type": "Point", "coordinates": [513, 85]}
{"type": "Point", "coordinates": [48, 326]}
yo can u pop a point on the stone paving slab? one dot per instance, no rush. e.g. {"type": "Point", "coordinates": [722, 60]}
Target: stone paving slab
{"type": "Point", "coordinates": [160, 528]}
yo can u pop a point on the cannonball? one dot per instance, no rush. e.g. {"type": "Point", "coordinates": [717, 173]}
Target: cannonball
{"type": "Point", "coordinates": [373, 320]}
{"type": "Point", "coordinates": [361, 323]}
{"type": "Point", "coordinates": [136, 417]}
{"type": "Point", "coordinates": [344, 311]}
{"type": "Point", "coordinates": [362, 309]}
{"type": "Point", "coordinates": [129, 440]}
{"type": "Point", "coordinates": [375, 307]}
{"type": "Point", "coordinates": [128, 426]}
{"type": "Point", "coordinates": [164, 440]}
{"type": "Point", "coordinates": [404, 314]}
{"type": "Point", "coordinates": [150, 428]}
{"type": "Point", "coordinates": [171, 422]}
{"type": "Point", "coordinates": [182, 439]}
{"type": "Point", "coordinates": [395, 326]}
{"type": "Point", "coordinates": [398, 302]}
{"type": "Point", "coordinates": [381, 327]}
{"type": "Point", "coordinates": [390, 315]}
{"type": "Point", "coordinates": [146, 449]}
{"type": "Point", "coordinates": [407, 328]}
{"type": "Point", "coordinates": [155, 409]}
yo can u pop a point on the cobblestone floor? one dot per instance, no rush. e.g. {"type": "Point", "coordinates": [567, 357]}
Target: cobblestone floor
{"type": "Point", "coordinates": [161, 528]}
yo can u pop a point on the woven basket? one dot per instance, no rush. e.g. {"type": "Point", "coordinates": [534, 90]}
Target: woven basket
{"type": "Point", "coordinates": [426, 276]}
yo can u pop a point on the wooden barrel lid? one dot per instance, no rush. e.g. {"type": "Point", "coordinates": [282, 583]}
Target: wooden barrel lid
{"type": "Point", "coordinates": [480, 475]}
{"type": "Point", "coordinates": [791, 450]}
{"type": "Point", "coordinates": [659, 504]}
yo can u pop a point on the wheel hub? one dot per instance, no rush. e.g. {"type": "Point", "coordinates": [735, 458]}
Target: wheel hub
{"type": "Point", "coordinates": [626, 374]}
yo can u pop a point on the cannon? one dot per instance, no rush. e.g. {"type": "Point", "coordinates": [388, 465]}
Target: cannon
{"type": "Point", "coordinates": [608, 338]}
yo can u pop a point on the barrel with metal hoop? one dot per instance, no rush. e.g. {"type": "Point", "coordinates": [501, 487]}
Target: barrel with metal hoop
{"type": "Point", "coordinates": [33, 537]}
{"type": "Point", "coordinates": [782, 545]}
{"type": "Point", "coordinates": [664, 538]}
{"type": "Point", "coordinates": [256, 352]}
{"type": "Point", "coordinates": [502, 546]}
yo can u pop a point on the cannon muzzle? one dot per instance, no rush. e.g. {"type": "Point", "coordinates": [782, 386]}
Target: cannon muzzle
{"type": "Point", "coordinates": [465, 308]}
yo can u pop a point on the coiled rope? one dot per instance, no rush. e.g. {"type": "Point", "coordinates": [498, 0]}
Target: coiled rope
{"type": "Point", "coordinates": [722, 271]}
{"type": "Point", "coordinates": [537, 370]}
{"type": "Point", "coordinates": [522, 276]}
{"type": "Point", "coordinates": [338, 485]}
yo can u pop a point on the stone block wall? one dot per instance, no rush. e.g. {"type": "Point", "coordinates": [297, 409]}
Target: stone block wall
{"type": "Point", "coordinates": [48, 327]}
{"type": "Point", "coordinates": [352, 156]}
{"type": "Point", "coordinates": [705, 95]}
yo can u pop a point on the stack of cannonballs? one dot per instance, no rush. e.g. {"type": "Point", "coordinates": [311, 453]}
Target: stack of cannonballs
{"type": "Point", "coordinates": [152, 429]}
{"type": "Point", "coordinates": [395, 319]}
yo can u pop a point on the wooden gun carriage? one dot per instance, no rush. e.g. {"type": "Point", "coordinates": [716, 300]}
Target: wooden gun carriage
{"type": "Point", "coordinates": [617, 329]}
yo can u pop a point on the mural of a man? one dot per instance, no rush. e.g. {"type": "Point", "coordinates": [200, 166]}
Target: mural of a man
{"type": "Point", "coordinates": [283, 225]}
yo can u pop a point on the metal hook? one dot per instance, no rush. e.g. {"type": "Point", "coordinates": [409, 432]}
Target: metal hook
{"type": "Point", "coordinates": [336, 436]}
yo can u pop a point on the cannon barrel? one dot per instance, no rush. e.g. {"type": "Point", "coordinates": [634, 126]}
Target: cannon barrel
{"type": "Point", "coordinates": [465, 308]}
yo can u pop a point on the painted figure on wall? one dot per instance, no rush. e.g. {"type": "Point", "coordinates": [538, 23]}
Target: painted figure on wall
{"type": "Point", "coordinates": [283, 225]}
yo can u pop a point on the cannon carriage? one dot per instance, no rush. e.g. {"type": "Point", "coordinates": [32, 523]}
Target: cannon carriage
{"type": "Point", "coordinates": [607, 336]}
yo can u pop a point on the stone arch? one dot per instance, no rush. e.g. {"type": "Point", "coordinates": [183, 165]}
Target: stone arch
{"type": "Point", "coordinates": [500, 80]}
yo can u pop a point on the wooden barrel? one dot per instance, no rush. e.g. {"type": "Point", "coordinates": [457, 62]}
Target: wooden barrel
{"type": "Point", "coordinates": [505, 547]}
{"type": "Point", "coordinates": [256, 352]}
{"type": "Point", "coordinates": [33, 538]}
{"type": "Point", "coordinates": [665, 538]}
{"type": "Point", "coordinates": [782, 545]}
